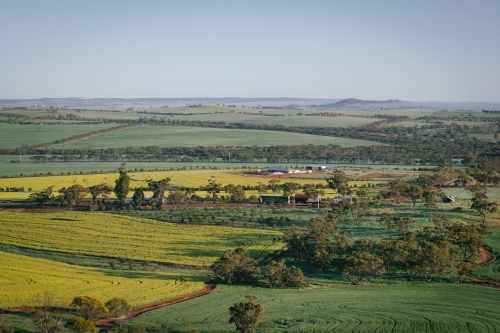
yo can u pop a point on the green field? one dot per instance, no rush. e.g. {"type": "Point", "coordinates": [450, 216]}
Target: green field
{"type": "Point", "coordinates": [412, 113]}
{"type": "Point", "coordinates": [134, 238]}
{"type": "Point", "coordinates": [14, 135]}
{"type": "Point", "coordinates": [173, 136]}
{"type": "Point", "coordinates": [287, 120]}
{"type": "Point", "coordinates": [24, 278]}
{"type": "Point", "coordinates": [491, 269]}
{"type": "Point", "coordinates": [461, 114]}
{"type": "Point", "coordinates": [390, 308]}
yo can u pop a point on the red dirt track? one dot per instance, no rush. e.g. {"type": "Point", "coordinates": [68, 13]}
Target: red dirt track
{"type": "Point", "coordinates": [137, 311]}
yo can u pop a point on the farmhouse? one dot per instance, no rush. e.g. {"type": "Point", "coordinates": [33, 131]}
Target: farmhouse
{"type": "Point", "coordinates": [337, 200]}
{"type": "Point", "coordinates": [316, 167]}
{"type": "Point", "coordinates": [280, 169]}
{"type": "Point", "coordinates": [274, 199]}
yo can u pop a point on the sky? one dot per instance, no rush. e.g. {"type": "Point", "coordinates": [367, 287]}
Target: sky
{"type": "Point", "coordinates": [409, 50]}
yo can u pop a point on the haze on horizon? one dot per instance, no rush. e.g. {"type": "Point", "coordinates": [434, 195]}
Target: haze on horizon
{"type": "Point", "coordinates": [411, 50]}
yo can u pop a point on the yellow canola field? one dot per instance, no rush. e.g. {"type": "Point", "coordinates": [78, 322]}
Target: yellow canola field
{"type": "Point", "coordinates": [187, 178]}
{"type": "Point", "coordinates": [23, 279]}
{"type": "Point", "coordinates": [124, 237]}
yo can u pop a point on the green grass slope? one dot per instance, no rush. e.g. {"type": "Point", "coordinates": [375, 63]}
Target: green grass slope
{"type": "Point", "coordinates": [170, 136]}
{"type": "Point", "coordinates": [392, 308]}
{"type": "Point", "coordinates": [14, 135]}
{"type": "Point", "coordinates": [491, 269]}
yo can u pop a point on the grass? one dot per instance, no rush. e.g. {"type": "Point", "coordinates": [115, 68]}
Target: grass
{"type": "Point", "coordinates": [390, 308]}
{"type": "Point", "coordinates": [14, 135]}
{"type": "Point", "coordinates": [177, 136]}
{"type": "Point", "coordinates": [24, 278]}
{"type": "Point", "coordinates": [134, 238]}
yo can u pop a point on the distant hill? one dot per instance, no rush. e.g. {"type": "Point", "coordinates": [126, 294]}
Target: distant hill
{"type": "Point", "coordinates": [354, 103]}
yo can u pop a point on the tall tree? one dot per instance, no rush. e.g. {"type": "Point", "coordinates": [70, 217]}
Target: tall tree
{"type": "Point", "coordinates": [102, 190]}
{"type": "Point", "coordinates": [361, 264]}
{"type": "Point", "coordinates": [138, 197]}
{"type": "Point", "coordinates": [483, 206]}
{"type": "Point", "coordinates": [296, 243]}
{"type": "Point", "coordinates": [158, 187]}
{"type": "Point", "coordinates": [118, 306]}
{"type": "Point", "coordinates": [246, 314]}
{"type": "Point", "coordinates": [358, 210]}
{"type": "Point", "coordinates": [176, 197]}
{"type": "Point", "coordinates": [338, 182]}
{"type": "Point", "coordinates": [213, 188]}
{"type": "Point", "coordinates": [275, 185]}
{"type": "Point", "coordinates": [90, 307]}
{"type": "Point", "coordinates": [289, 188]}
{"type": "Point", "coordinates": [73, 195]}
{"type": "Point", "coordinates": [42, 197]}
{"type": "Point", "coordinates": [236, 266]}
{"type": "Point", "coordinates": [122, 185]}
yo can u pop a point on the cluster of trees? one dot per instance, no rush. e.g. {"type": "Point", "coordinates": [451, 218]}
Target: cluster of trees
{"type": "Point", "coordinates": [237, 266]}
{"type": "Point", "coordinates": [424, 254]}
{"type": "Point", "coordinates": [49, 318]}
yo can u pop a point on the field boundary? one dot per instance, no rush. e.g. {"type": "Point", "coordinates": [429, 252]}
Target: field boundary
{"type": "Point", "coordinates": [209, 287]}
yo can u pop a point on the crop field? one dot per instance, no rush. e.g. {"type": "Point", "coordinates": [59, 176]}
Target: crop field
{"type": "Point", "coordinates": [187, 178]}
{"type": "Point", "coordinates": [491, 269]}
{"type": "Point", "coordinates": [390, 308]}
{"type": "Point", "coordinates": [131, 238]}
{"type": "Point", "coordinates": [412, 113]}
{"type": "Point", "coordinates": [452, 114]}
{"type": "Point", "coordinates": [14, 135]}
{"type": "Point", "coordinates": [286, 120]}
{"type": "Point", "coordinates": [24, 278]}
{"type": "Point", "coordinates": [177, 136]}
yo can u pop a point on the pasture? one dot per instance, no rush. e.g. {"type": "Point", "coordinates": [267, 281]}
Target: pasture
{"type": "Point", "coordinates": [401, 308]}
{"type": "Point", "coordinates": [24, 278]}
{"type": "Point", "coordinates": [131, 238]}
{"type": "Point", "coordinates": [15, 135]}
{"type": "Point", "coordinates": [178, 136]}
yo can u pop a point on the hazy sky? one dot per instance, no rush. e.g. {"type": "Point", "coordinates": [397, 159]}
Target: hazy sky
{"type": "Point", "coordinates": [411, 50]}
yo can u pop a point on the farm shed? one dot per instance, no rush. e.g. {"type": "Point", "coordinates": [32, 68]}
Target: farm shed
{"type": "Point", "coordinates": [274, 199]}
{"type": "Point", "coordinates": [316, 167]}
{"type": "Point", "coordinates": [275, 169]}
{"type": "Point", "coordinates": [448, 199]}
{"type": "Point", "coordinates": [301, 198]}
{"type": "Point", "coordinates": [337, 200]}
